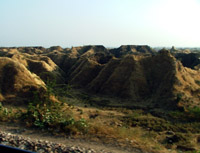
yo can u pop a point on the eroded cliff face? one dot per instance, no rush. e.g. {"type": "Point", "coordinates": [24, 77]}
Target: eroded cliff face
{"type": "Point", "coordinates": [17, 83]}
{"type": "Point", "coordinates": [155, 79]}
{"type": "Point", "coordinates": [129, 72]}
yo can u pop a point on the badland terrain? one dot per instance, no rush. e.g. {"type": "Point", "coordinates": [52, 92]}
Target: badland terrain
{"type": "Point", "coordinates": [132, 95]}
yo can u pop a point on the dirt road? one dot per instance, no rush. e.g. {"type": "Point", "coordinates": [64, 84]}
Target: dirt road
{"type": "Point", "coordinates": [41, 141]}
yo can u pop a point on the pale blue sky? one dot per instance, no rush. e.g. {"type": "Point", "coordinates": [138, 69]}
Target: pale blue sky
{"type": "Point", "coordinates": [100, 22]}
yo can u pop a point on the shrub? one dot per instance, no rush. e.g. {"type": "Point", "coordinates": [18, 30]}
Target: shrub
{"type": "Point", "coordinates": [179, 97]}
{"type": "Point", "coordinates": [46, 113]}
{"type": "Point", "coordinates": [197, 82]}
{"type": "Point", "coordinates": [190, 114]}
{"type": "Point", "coordinates": [57, 89]}
{"type": "Point", "coordinates": [194, 113]}
{"type": "Point", "coordinates": [8, 114]}
{"type": "Point", "coordinates": [54, 116]}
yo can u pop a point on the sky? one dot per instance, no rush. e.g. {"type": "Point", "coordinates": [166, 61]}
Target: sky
{"type": "Point", "coordinates": [112, 23]}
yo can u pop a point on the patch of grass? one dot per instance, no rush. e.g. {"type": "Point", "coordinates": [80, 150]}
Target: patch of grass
{"type": "Point", "coordinates": [9, 114]}
{"type": "Point", "coordinates": [194, 113]}
{"type": "Point", "coordinates": [122, 136]}
{"type": "Point", "coordinates": [147, 121]}
{"type": "Point", "coordinates": [191, 114]}
{"type": "Point", "coordinates": [179, 97]}
{"type": "Point", "coordinates": [197, 82]}
{"type": "Point", "coordinates": [58, 90]}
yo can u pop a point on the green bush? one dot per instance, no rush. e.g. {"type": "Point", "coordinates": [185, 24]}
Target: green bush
{"type": "Point", "coordinates": [53, 116]}
{"type": "Point", "coordinates": [179, 97]}
{"type": "Point", "coordinates": [42, 115]}
{"type": "Point", "coordinates": [57, 89]}
{"type": "Point", "coordinates": [190, 114]}
{"type": "Point", "coordinates": [197, 82]}
{"type": "Point", "coordinates": [194, 113]}
{"type": "Point", "coordinates": [7, 114]}
{"type": "Point", "coordinates": [45, 113]}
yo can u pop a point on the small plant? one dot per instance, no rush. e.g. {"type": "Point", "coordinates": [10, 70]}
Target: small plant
{"type": "Point", "coordinates": [74, 127]}
{"type": "Point", "coordinates": [53, 88]}
{"type": "Point", "coordinates": [8, 114]}
{"type": "Point", "coordinates": [190, 114]}
{"type": "Point", "coordinates": [46, 113]}
{"type": "Point", "coordinates": [179, 97]}
{"type": "Point", "coordinates": [53, 116]}
{"type": "Point", "coordinates": [1, 106]}
{"type": "Point", "coordinates": [194, 113]}
{"type": "Point", "coordinates": [197, 82]}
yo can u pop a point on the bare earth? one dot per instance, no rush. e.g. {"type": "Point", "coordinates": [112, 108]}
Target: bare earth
{"type": "Point", "coordinates": [44, 136]}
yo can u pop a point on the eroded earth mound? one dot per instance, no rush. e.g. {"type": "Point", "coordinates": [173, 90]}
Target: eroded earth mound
{"type": "Point", "coordinates": [136, 73]}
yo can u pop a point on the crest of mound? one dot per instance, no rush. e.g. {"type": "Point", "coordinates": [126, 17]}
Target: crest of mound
{"type": "Point", "coordinates": [57, 48]}
{"type": "Point", "coordinates": [39, 64]}
{"type": "Point", "coordinates": [8, 52]}
{"type": "Point", "coordinates": [87, 51]}
{"type": "Point", "coordinates": [68, 59]}
{"type": "Point", "coordinates": [131, 49]}
{"type": "Point", "coordinates": [17, 80]}
{"type": "Point", "coordinates": [30, 50]}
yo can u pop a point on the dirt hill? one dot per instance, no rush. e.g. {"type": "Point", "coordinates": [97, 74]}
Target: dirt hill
{"type": "Point", "coordinates": [131, 49]}
{"type": "Point", "coordinates": [154, 79]}
{"type": "Point", "coordinates": [16, 81]}
{"type": "Point", "coordinates": [131, 72]}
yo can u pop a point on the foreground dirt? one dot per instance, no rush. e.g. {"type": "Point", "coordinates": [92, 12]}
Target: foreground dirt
{"type": "Point", "coordinates": [34, 137]}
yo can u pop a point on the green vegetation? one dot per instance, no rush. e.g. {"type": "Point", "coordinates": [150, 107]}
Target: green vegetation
{"type": "Point", "coordinates": [179, 96]}
{"type": "Point", "coordinates": [47, 112]}
{"type": "Point", "coordinates": [9, 114]}
{"type": "Point", "coordinates": [197, 82]}
{"type": "Point", "coordinates": [176, 130]}
{"type": "Point", "coordinates": [189, 115]}
{"type": "Point", "coordinates": [58, 90]}
{"type": "Point", "coordinates": [51, 116]}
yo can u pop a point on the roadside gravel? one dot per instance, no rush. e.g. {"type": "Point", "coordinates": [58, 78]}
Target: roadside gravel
{"type": "Point", "coordinates": [41, 146]}
{"type": "Point", "coordinates": [36, 141]}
